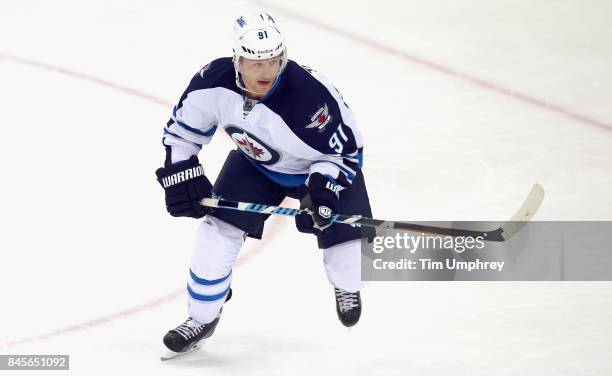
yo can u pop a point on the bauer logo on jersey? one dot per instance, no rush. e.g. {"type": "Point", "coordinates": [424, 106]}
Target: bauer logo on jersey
{"type": "Point", "coordinates": [252, 146]}
{"type": "Point", "coordinates": [320, 119]}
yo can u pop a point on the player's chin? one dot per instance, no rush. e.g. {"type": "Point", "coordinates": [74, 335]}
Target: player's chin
{"type": "Point", "coordinates": [263, 89]}
{"type": "Point", "coordinates": [264, 84]}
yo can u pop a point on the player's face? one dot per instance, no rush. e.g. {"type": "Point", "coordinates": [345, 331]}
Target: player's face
{"type": "Point", "coordinates": [259, 75]}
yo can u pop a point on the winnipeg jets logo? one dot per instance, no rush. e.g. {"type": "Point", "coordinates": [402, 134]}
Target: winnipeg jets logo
{"type": "Point", "coordinates": [320, 119]}
{"type": "Point", "coordinates": [252, 146]}
{"type": "Point", "coordinates": [251, 149]}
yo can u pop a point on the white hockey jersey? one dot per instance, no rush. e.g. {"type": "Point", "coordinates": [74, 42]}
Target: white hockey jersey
{"type": "Point", "coordinates": [302, 126]}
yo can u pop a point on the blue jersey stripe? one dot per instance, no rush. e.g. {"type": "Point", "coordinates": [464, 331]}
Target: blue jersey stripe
{"type": "Point", "coordinates": [167, 132]}
{"type": "Point", "coordinates": [286, 180]}
{"type": "Point", "coordinates": [350, 174]}
{"type": "Point", "coordinates": [208, 133]}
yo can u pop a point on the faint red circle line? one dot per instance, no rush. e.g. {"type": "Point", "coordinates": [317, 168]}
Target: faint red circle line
{"type": "Point", "coordinates": [445, 69]}
{"type": "Point", "coordinates": [82, 76]}
{"type": "Point", "coordinates": [274, 223]}
{"type": "Point", "coordinates": [97, 321]}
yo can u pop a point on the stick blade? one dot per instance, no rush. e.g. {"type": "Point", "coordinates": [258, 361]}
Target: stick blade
{"type": "Point", "coordinates": [525, 212]}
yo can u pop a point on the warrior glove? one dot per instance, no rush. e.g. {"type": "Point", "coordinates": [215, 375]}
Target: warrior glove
{"type": "Point", "coordinates": [185, 185]}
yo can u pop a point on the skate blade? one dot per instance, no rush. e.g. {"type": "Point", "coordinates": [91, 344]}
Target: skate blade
{"type": "Point", "coordinates": [169, 354]}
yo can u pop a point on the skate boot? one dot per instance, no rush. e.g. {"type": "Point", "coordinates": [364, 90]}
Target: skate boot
{"type": "Point", "coordinates": [189, 336]}
{"type": "Point", "coordinates": [348, 306]}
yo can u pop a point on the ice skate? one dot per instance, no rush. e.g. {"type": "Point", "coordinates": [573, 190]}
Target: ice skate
{"type": "Point", "coordinates": [187, 337]}
{"type": "Point", "coordinates": [348, 306]}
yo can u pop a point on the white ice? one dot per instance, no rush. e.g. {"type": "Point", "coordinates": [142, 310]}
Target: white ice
{"type": "Point", "coordinates": [86, 240]}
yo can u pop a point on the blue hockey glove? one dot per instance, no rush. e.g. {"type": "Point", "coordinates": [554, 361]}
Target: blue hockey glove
{"type": "Point", "coordinates": [185, 185]}
{"type": "Point", "coordinates": [320, 196]}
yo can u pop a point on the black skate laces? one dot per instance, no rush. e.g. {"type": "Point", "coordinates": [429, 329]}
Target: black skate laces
{"type": "Point", "coordinates": [189, 328]}
{"type": "Point", "coordinates": [346, 300]}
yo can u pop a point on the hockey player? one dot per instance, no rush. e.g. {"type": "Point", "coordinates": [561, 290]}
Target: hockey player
{"type": "Point", "coordinates": [295, 137]}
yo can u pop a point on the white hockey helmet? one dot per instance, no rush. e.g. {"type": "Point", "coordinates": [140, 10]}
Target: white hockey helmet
{"type": "Point", "coordinates": [257, 37]}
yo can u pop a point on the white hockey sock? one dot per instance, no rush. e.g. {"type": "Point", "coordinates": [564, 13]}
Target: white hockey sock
{"type": "Point", "coordinates": [343, 265]}
{"type": "Point", "coordinates": [215, 250]}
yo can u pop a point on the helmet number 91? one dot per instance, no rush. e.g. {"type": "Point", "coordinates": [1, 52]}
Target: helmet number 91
{"type": "Point", "coordinates": [263, 34]}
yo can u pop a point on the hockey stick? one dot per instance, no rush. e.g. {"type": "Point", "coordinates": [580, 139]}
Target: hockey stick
{"type": "Point", "coordinates": [500, 234]}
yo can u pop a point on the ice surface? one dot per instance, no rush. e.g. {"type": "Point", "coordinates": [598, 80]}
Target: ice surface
{"type": "Point", "coordinates": [93, 267]}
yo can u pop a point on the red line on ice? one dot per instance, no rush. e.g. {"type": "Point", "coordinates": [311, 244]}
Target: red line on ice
{"type": "Point", "coordinates": [95, 80]}
{"type": "Point", "coordinates": [482, 83]}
